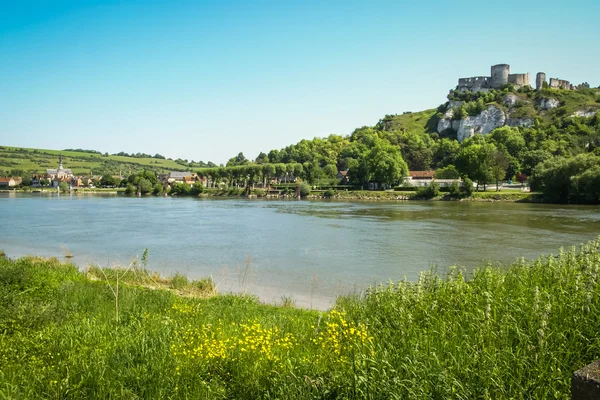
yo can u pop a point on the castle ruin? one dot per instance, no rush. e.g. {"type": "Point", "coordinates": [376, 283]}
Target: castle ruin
{"type": "Point", "coordinates": [500, 76]}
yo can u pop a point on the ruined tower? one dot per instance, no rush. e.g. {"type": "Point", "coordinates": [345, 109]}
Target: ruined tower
{"type": "Point", "coordinates": [500, 74]}
{"type": "Point", "coordinates": [540, 78]}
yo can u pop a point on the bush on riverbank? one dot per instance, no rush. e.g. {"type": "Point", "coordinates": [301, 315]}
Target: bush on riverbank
{"type": "Point", "coordinates": [514, 332]}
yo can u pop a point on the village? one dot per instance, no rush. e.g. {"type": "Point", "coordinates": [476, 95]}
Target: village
{"type": "Point", "coordinates": [64, 178]}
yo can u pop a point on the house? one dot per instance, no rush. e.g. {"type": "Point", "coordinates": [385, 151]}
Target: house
{"type": "Point", "coordinates": [176, 176]}
{"type": "Point", "coordinates": [77, 182]}
{"type": "Point", "coordinates": [9, 182]}
{"type": "Point", "coordinates": [425, 178]}
{"type": "Point", "coordinates": [186, 177]}
{"type": "Point", "coordinates": [419, 178]}
{"type": "Point", "coordinates": [36, 180]}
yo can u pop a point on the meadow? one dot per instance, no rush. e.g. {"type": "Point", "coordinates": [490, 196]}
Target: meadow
{"type": "Point", "coordinates": [501, 332]}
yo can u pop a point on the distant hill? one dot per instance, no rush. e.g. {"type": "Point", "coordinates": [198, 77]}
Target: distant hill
{"type": "Point", "coordinates": [32, 161]}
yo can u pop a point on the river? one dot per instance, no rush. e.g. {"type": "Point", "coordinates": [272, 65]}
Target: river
{"type": "Point", "coordinates": [310, 251]}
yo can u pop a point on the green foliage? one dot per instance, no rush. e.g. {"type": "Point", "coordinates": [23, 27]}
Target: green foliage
{"type": "Point", "coordinates": [179, 281]}
{"type": "Point", "coordinates": [428, 192]}
{"type": "Point", "coordinates": [564, 180]}
{"type": "Point", "coordinates": [145, 186]}
{"type": "Point", "coordinates": [467, 187]}
{"type": "Point", "coordinates": [158, 189]}
{"type": "Point", "coordinates": [454, 189]}
{"type": "Point", "coordinates": [63, 186]}
{"type": "Point", "coordinates": [180, 189]}
{"type": "Point", "coordinates": [130, 189]}
{"type": "Point", "coordinates": [197, 188]}
{"type": "Point", "coordinates": [385, 164]}
{"type": "Point", "coordinates": [109, 181]}
{"type": "Point", "coordinates": [303, 189]}
{"type": "Point", "coordinates": [475, 160]}
{"type": "Point", "coordinates": [449, 172]}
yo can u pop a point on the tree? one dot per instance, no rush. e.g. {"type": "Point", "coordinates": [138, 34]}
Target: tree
{"type": "Point", "coordinates": [385, 164]}
{"type": "Point", "coordinates": [586, 186]}
{"type": "Point", "coordinates": [474, 160]}
{"type": "Point", "coordinates": [558, 179]}
{"type": "Point", "coordinates": [145, 186]}
{"type": "Point", "coordinates": [498, 164]}
{"type": "Point", "coordinates": [444, 152]}
{"type": "Point", "coordinates": [262, 158]}
{"type": "Point", "coordinates": [108, 181]}
{"type": "Point", "coordinates": [63, 186]}
{"type": "Point", "coordinates": [158, 189]}
{"type": "Point", "coordinates": [450, 172]}
{"type": "Point", "coordinates": [240, 159]}
{"type": "Point", "coordinates": [521, 178]}
{"type": "Point", "coordinates": [268, 172]}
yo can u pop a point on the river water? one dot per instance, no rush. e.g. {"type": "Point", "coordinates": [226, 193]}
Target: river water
{"type": "Point", "coordinates": [310, 251]}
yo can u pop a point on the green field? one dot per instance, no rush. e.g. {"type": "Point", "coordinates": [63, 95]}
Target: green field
{"type": "Point", "coordinates": [508, 332]}
{"type": "Point", "coordinates": [33, 161]}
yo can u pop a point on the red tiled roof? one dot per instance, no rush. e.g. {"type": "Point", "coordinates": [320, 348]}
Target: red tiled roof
{"type": "Point", "coordinates": [5, 180]}
{"type": "Point", "coordinates": [421, 174]}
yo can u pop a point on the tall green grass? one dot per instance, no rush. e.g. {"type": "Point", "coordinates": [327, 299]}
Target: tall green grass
{"type": "Point", "coordinates": [512, 332]}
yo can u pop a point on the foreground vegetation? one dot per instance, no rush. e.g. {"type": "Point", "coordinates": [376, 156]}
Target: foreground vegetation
{"type": "Point", "coordinates": [504, 333]}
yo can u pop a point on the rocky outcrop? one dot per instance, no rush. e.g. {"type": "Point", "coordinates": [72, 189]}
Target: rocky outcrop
{"type": "Point", "coordinates": [548, 103]}
{"type": "Point", "coordinates": [590, 112]}
{"type": "Point", "coordinates": [488, 120]}
{"type": "Point", "coordinates": [510, 100]}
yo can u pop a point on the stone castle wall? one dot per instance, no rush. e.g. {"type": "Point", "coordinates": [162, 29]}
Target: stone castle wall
{"type": "Point", "coordinates": [500, 76]}
{"type": "Point", "coordinates": [560, 84]}
{"type": "Point", "coordinates": [540, 78]}
{"type": "Point", "coordinates": [519, 80]}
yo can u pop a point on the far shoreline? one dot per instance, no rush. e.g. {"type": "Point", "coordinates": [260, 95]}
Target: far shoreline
{"type": "Point", "coordinates": [354, 195]}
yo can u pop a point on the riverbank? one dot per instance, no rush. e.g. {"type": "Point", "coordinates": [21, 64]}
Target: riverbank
{"type": "Point", "coordinates": [503, 333]}
{"type": "Point", "coordinates": [365, 195]}
{"type": "Point", "coordinates": [376, 195]}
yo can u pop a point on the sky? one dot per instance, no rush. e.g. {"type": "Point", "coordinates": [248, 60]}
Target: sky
{"type": "Point", "coordinates": [205, 80]}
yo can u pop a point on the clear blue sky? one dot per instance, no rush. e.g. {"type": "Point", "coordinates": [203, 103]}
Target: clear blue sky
{"type": "Point", "coordinates": [204, 80]}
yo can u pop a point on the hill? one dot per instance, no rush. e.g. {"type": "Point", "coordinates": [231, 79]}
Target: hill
{"type": "Point", "coordinates": [23, 161]}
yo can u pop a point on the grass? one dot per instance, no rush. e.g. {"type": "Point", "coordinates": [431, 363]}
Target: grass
{"type": "Point", "coordinates": [511, 332]}
{"type": "Point", "coordinates": [418, 122]}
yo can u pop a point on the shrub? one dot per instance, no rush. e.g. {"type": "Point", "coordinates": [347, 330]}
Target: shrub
{"type": "Point", "coordinates": [467, 187]}
{"type": "Point", "coordinates": [329, 193]}
{"type": "Point", "coordinates": [429, 192]}
{"type": "Point", "coordinates": [179, 281]}
{"type": "Point", "coordinates": [205, 285]}
{"type": "Point", "coordinates": [197, 188]}
{"type": "Point", "coordinates": [304, 189]}
{"type": "Point", "coordinates": [454, 189]}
